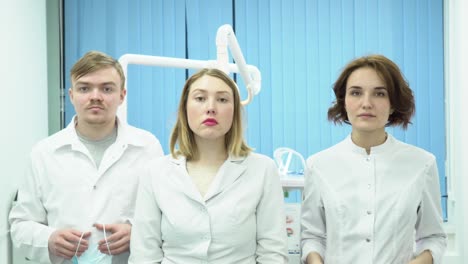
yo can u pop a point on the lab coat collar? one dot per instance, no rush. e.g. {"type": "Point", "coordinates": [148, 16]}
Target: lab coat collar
{"type": "Point", "coordinates": [68, 136]}
{"type": "Point", "coordinates": [181, 160]}
{"type": "Point", "coordinates": [385, 147]}
{"type": "Point", "coordinates": [228, 173]}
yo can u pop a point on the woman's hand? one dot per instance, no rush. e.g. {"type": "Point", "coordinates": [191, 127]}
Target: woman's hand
{"type": "Point", "coordinates": [424, 258]}
{"type": "Point", "coordinates": [314, 258]}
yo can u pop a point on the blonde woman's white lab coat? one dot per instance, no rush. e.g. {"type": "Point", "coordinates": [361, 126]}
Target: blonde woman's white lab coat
{"type": "Point", "coordinates": [240, 220]}
{"type": "Point", "coordinates": [64, 189]}
{"type": "Point", "coordinates": [372, 209]}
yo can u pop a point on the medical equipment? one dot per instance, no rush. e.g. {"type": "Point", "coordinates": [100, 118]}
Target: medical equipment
{"type": "Point", "coordinates": [225, 38]}
{"type": "Point", "coordinates": [286, 159]}
{"type": "Point", "coordinates": [291, 166]}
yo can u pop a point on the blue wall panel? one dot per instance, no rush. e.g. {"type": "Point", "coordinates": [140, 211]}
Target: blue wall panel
{"type": "Point", "coordinates": [299, 46]}
{"type": "Point", "coordinates": [140, 27]}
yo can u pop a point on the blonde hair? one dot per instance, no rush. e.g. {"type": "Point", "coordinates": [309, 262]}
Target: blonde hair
{"type": "Point", "coordinates": [184, 136]}
{"type": "Point", "coordinates": [93, 61]}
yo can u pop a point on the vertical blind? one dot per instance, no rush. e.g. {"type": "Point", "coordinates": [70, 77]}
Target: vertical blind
{"type": "Point", "coordinates": [300, 46]}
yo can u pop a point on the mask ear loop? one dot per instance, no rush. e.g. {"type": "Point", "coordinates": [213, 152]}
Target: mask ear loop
{"type": "Point", "coordinates": [105, 238]}
{"type": "Point", "coordinates": [79, 242]}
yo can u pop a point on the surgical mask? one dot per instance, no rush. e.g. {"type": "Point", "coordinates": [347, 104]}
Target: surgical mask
{"type": "Point", "coordinates": [92, 255]}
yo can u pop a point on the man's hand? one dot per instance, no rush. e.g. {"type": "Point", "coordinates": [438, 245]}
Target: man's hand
{"type": "Point", "coordinates": [64, 242]}
{"type": "Point", "coordinates": [119, 241]}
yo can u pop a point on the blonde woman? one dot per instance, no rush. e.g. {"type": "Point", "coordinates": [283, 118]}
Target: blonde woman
{"type": "Point", "coordinates": [212, 200]}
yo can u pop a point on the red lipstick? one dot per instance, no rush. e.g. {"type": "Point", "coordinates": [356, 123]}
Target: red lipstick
{"type": "Point", "coordinates": [210, 122]}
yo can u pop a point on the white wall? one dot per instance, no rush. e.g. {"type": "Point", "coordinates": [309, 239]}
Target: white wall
{"type": "Point", "coordinates": [456, 66]}
{"type": "Point", "coordinates": [23, 96]}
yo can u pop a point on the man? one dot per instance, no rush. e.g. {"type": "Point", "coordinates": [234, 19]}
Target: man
{"type": "Point", "coordinates": [78, 199]}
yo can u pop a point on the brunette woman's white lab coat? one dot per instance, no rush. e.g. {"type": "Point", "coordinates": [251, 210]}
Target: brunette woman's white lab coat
{"type": "Point", "coordinates": [381, 208]}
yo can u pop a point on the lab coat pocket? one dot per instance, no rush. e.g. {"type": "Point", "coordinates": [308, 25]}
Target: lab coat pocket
{"type": "Point", "coordinates": [241, 214]}
{"type": "Point", "coordinates": [405, 210]}
{"type": "Point", "coordinates": [335, 212]}
{"type": "Point", "coordinates": [402, 234]}
{"type": "Point", "coordinates": [243, 202]}
{"type": "Point", "coordinates": [66, 201]}
{"type": "Point", "coordinates": [241, 225]}
{"type": "Point", "coordinates": [124, 196]}
{"type": "Point", "coordinates": [334, 260]}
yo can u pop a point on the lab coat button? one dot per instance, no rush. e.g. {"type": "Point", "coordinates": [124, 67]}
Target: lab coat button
{"type": "Point", "coordinates": [94, 187]}
{"type": "Point", "coordinates": [369, 212]}
{"type": "Point", "coordinates": [368, 159]}
{"type": "Point", "coordinates": [368, 240]}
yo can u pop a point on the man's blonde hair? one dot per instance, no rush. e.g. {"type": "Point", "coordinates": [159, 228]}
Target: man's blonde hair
{"type": "Point", "coordinates": [93, 61]}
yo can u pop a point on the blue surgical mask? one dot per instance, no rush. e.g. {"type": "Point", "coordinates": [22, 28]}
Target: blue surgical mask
{"type": "Point", "coordinates": [92, 255]}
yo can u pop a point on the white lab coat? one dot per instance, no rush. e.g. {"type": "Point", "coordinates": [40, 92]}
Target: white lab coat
{"type": "Point", "coordinates": [371, 209]}
{"type": "Point", "coordinates": [64, 189]}
{"type": "Point", "coordinates": [240, 220]}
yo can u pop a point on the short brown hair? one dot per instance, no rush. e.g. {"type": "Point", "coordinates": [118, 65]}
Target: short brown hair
{"type": "Point", "coordinates": [400, 94]}
{"type": "Point", "coordinates": [93, 61]}
{"type": "Point", "coordinates": [184, 136]}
